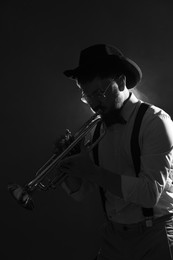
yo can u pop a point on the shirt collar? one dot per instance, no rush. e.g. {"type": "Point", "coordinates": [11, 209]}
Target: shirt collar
{"type": "Point", "coordinates": [129, 106]}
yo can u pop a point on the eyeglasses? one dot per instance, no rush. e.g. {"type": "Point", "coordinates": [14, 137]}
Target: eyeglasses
{"type": "Point", "coordinates": [98, 94]}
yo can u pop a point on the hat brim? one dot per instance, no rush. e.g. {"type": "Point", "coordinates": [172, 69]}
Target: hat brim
{"type": "Point", "coordinates": [126, 66]}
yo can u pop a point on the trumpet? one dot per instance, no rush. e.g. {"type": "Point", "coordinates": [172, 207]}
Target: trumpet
{"type": "Point", "coordinates": [23, 194]}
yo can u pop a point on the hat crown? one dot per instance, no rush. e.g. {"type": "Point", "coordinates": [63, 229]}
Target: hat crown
{"type": "Point", "coordinates": [102, 56]}
{"type": "Point", "coordinates": [97, 53]}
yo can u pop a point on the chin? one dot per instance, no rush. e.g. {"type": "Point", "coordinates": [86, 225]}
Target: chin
{"type": "Point", "coordinates": [107, 111]}
{"type": "Point", "coordinates": [109, 116]}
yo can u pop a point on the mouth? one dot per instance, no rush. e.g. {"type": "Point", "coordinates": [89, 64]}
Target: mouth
{"type": "Point", "coordinates": [100, 109]}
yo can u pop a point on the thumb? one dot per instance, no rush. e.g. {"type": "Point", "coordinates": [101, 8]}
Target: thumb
{"type": "Point", "coordinates": [84, 146]}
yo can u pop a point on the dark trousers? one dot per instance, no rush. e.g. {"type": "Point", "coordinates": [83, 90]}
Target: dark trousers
{"type": "Point", "coordinates": [137, 242]}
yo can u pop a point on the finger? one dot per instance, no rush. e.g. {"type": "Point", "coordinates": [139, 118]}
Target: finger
{"type": "Point", "coordinates": [66, 161]}
{"type": "Point", "coordinates": [64, 170]}
{"type": "Point", "coordinates": [84, 145]}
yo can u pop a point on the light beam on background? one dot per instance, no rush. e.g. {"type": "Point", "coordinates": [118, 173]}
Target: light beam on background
{"type": "Point", "coordinates": [140, 95]}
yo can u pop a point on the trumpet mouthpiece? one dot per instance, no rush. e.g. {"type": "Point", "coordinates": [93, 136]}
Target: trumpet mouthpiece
{"type": "Point", "coordinates": [21, 195]}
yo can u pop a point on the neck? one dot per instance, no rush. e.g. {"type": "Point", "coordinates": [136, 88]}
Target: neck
{"type": "Point", "coordinates": [127, 98]}
{"type": "Point", "coordinates": [114, 116]}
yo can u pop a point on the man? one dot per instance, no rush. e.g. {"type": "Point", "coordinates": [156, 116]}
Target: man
{"type": "Point", "coordinates": [106, 78]}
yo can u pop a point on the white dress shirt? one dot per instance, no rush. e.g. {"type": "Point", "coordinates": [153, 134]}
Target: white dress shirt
{"type": "Point", "coordinates": [153, 187]}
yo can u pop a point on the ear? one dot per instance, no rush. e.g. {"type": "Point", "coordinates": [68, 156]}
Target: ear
{"type": "Point", "coordinates": [122, 82]}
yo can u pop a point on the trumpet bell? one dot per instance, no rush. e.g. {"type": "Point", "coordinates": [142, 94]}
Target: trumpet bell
{"type": "Point", "coordinates": [21, 195]}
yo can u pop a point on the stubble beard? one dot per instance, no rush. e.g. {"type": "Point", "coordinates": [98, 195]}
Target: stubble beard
{"type": "Point", "coordinates": [111, 116]}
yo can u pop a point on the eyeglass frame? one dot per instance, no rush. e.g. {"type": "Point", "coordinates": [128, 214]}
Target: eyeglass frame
{"type": "Point", "coordinates": [98, 94]}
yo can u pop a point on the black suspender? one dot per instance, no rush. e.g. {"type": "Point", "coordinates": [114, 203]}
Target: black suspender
{"type": "Point", "coordinates": [135, 151]}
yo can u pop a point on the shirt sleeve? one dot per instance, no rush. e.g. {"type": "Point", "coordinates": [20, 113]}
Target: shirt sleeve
{"type": "Point", "coordinates": [76, 191]}
{"type": "Point", "coordinates": [156, 143]}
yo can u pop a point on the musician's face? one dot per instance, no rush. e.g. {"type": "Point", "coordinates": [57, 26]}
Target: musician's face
{"type": "Point", "coordinates": [105, 94]}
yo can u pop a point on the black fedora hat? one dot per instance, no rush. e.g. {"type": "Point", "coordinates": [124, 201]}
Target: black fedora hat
{"type": "Point", "coordinates": [99, 55]}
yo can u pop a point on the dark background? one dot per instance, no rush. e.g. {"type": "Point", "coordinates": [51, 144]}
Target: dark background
{"type": "Point", "coordinates": [39, 41]}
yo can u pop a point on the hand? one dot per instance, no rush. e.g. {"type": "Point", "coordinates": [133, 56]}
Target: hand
{"type": "Point", "coordinates": [63, 142]}
{"type": "Point", "coordinates": [79, 165]}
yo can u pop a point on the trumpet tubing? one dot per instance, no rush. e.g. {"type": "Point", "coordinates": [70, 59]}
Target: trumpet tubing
{"type": "Point", "coordinates": [23, 194]}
